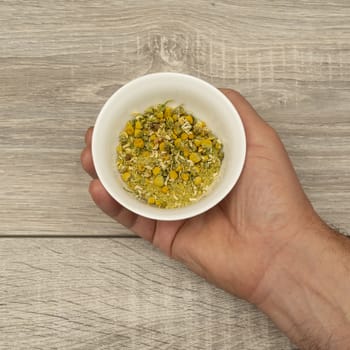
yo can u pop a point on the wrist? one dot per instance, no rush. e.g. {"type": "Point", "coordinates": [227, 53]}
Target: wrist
{"type": "Point", "coordinates": [306, 291]}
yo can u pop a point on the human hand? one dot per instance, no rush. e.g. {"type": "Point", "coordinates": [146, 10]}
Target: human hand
{"type": "Point", "coordinates": [263, 242]}
{"type": "Point", "coordinates": [235, 244]}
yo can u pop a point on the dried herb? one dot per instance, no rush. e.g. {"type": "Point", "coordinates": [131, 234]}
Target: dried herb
{"type": "Point", "coordinates": [167, 157]}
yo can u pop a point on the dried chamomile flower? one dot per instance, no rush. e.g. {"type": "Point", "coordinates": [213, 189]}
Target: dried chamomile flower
{"type": "Point", "coordinates": [167, 157]}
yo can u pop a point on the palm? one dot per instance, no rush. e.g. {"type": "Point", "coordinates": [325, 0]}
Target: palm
{"type": "Point", "coordinates": [231, 241]}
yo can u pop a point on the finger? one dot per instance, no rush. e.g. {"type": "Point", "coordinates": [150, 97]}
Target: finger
{"type": "Point", "coordinates": [255, 127]}
{"type": "Point", "coordinates": [141, 226]}
{"type": "Point", "coordinates": [165, 234]}
{"type": "Point", "coordinates": [87, 163]}
{"type": "Point", "coordinates": [244, 108]}
{"type": "Point", "coordinates": [88, 136]}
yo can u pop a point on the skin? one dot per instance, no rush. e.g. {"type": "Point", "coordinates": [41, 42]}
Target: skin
{"type": "Point", "coordinates": [261, 242]}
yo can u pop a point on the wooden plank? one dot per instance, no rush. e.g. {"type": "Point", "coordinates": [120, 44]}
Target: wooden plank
{"type": "Point", "coordinates": [45, 192]}
{"type": "Point", "coordinates": [60, 60]}
{"type": "Point", "coordinates": [117, 294]}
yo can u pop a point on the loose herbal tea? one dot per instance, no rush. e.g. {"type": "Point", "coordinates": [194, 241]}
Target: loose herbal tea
{"type": "Point", "coordinates": [167, 157]}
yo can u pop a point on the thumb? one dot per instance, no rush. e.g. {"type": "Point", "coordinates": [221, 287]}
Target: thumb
{"type": "Point", "coordinates": [255, 127]}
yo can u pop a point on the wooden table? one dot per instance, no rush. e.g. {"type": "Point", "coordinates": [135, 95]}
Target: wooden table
{"type": "Point", "coordinates": [71, 278]}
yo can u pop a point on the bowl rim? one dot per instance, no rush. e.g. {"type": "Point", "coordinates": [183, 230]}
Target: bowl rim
{"type": "Point", "coordinates": [176, 213]}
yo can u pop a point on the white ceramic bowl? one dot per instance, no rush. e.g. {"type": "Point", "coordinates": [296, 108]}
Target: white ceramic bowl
{"type": "Point", "coordinates": [198, 97]}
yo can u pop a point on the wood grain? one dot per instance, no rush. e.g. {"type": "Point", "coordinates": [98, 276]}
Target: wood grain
{"type": "Point", "coordinates": [117, 294]}
{"type": "Point", "coordinates": [60, 60]}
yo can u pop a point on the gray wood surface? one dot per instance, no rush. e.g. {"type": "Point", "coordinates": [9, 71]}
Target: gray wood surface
{"type": "Point", "coordinates": [117, 294]}
{"type": "Point", "coordinates": [59, 62]}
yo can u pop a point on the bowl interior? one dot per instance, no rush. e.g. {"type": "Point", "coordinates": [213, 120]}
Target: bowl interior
{"type": "Point", "coordinates": [198, 97]}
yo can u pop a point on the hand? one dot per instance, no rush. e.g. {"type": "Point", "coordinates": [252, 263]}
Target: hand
{"type": "Point", "coordinates": [263, 242]}
{"type": "Point", "coordinates": [235, 244]}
